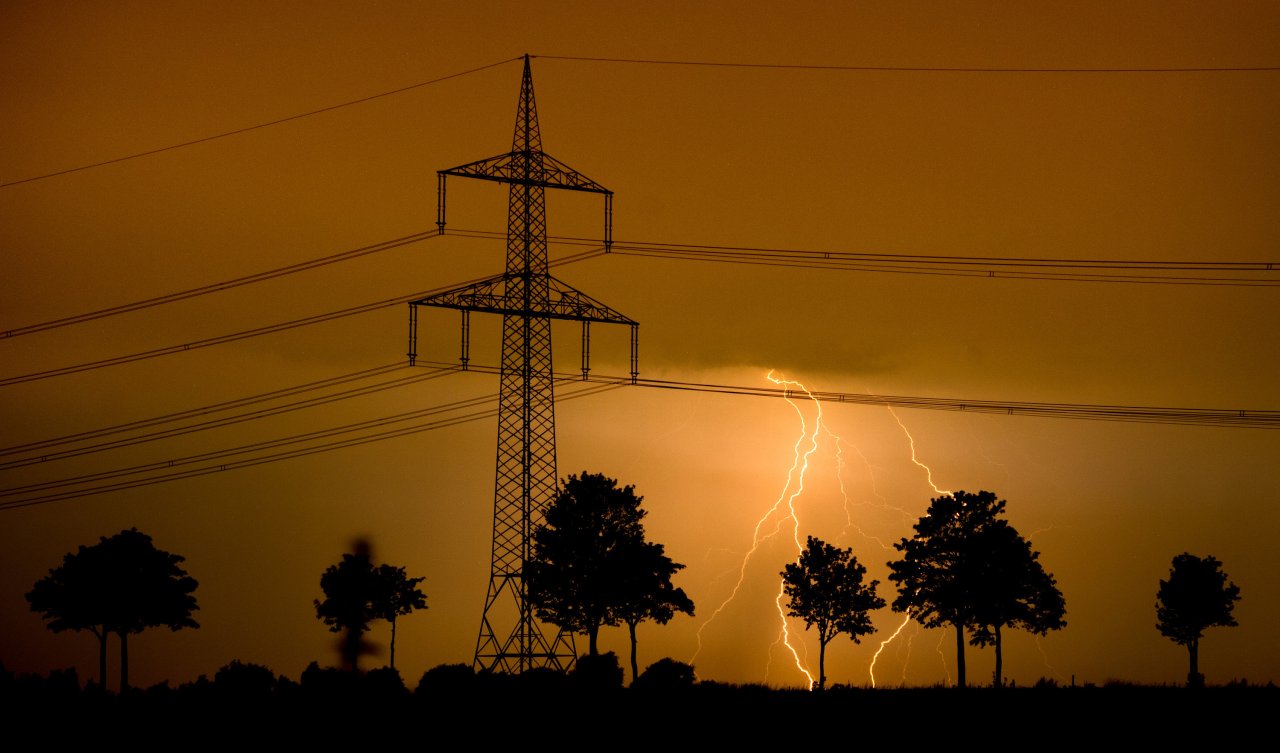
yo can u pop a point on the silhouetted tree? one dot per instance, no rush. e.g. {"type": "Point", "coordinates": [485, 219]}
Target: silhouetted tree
{"type": "Point", "coordinates": [943, 563]}
{"type": "Point", "coordinates": [646, 592]}
{"type": "Point", "coordinates": [122, 585]}
{"type": "Point", "coordinates": [1196, 596]}
{"type": "Point", "coordinates": [581, 552]}
{"type": "Point", "coordinates": [357, 592]}
{"type": "Point", "coordinates": [397, 595]}
{"type": "Point", "coordinates": [350, 589]}
{"type": "Point", "coordinates": [824, 588]}
{"type": "Point", "coordinates": [1013, 590]}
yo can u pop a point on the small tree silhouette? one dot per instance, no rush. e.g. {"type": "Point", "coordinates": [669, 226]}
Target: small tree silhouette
{"type": "Point", "coordinates": [122, 585]}
{"type": "Point", "coordinates": [397, 595]}
{"type": "Point", "coordinates": [1012, 590]}
{"type": "Point", "coordinates": [824, 588]}
{"type": "Point", "coordinates": [1196, 596]}
{"type": "Point", "coordinates": [646, 592]}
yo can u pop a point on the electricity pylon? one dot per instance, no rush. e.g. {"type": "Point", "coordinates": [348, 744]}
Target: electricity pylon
{"type": "Point", "coordinates": [528, 298]}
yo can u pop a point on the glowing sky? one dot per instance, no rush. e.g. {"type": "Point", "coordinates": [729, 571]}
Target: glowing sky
{"type": "Point", "coordinates": [1152, 166]}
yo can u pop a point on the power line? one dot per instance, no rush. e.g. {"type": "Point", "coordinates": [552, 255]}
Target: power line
{"type": "Point", "coordinates": [231, 420]}
{"type": "Point", "coordinates": [908, 69]}
{"type": "Point", "coordinates": [203, 410]}
{"type": "Point", "coordinates": [258, 331]}
{"type": "Point", "coordinates": [776, 260]}
{"type": "Point", "coordinates": [1004, 267]}
{"type": "Point", "coordinates": [284, 455]}
{"type": "Point", "coordinates": [1219, 417]}
{"type": "Point", "coordinates": [257, 126]}
{"type": "Point", "coordinates": [216, 287]}
{"type": "Point", "coordinates": [1222, 418]}
{"type": "Point", "coordinates": [638, 61]}
{"type": "Point", "coordinates": [253, 447]}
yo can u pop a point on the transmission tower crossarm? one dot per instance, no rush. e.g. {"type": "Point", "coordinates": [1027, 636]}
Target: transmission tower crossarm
{"type": "Point", "coordinates": [492, 296]}
{"type": "Point", "coordinates": [521, 169]}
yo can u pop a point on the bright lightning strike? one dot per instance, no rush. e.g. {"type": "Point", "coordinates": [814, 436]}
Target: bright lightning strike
{"type": "Point", "coordinates": [927, 470]}
{"type": "Point", "coordinates": [929, 477]}
{"type": "Point", "coordinates": [794, 485]}
{"type": "Point", "coordinates": [875, 657]}
{"type": "Point", "coordinates": [805, 446]}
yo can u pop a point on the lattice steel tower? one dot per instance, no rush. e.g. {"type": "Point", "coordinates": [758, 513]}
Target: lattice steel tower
{"type": "Point", "coordinates": [528, 298]}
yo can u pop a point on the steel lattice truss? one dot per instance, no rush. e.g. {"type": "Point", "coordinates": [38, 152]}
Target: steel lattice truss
{"type": "Point", "coordinates": [511, 638]}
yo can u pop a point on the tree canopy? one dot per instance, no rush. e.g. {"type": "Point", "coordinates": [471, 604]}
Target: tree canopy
{"type": "Point", "coordinates": [824, 588]}
{"type": "Point", "coordinates": [122, 585]}
{"type": "Point", "coordinates": [591, 566]}
{"type": "Point", "coordinates": [1196, 596]}
{"type": "Point", "coordinates": [358, 592]}
{"type": "Point", "coordinates": [966, 567]}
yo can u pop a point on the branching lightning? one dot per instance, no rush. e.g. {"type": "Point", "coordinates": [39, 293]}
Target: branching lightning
{"type": "Point", "coordinates": [794, 485]}
{"type": "Point", "coordinates": [927, 470]}
{"type": "Point", "coordinates": [907, 617]}
{"type": "Point", "coordinates": [783, 511]}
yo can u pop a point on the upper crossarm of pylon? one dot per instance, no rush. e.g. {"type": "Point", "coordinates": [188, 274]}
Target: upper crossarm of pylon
{"type": "Point", "coordinates": [532, 169]}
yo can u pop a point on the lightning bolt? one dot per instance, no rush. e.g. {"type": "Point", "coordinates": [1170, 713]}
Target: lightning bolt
{"type": "Point", "coordinates": [876, 657]}
{"type": "Point", "coordinates": [795, 482]}
{"type": "Point", "coordinates": [907, 618]}
{"type": "Point", "coordinates": [927, 470]}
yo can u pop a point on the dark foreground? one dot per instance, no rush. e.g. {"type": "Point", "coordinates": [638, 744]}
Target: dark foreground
{"type": "Point", "coordinates": [336, 709]}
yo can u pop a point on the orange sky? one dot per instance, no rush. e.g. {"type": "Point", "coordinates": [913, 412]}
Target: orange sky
{"type": "Point", "coordinates": [1152, 166]}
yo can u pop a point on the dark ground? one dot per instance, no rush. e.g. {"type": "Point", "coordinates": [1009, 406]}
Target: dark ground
{"type": "Point", "coordinates": [331, 709]}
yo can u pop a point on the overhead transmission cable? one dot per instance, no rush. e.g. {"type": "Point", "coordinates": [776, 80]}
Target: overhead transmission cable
{"type": "Point", "coordinates": [263, 330]}
{"type": "Point", "coordinates": [257, 126]}
{"type": "Point", "coordinates": [1141, 414]}
{"type": "Point", "coordinates": [218, 287]}
{"type": "Point", "coordinates": [1219, 417]}
{"type": "Point", "coordinates": [218, 467]}
{"type": "Point", "coordinates": [146, 423]}
{"type": "Point", "coordinates": [908, 68]}
{"type": "Point", "coordinates": [644, 61]}
{"type": "Point", "coordinates": [1169, 272]}
{"type": "Point", "coordinates": [231, 420]}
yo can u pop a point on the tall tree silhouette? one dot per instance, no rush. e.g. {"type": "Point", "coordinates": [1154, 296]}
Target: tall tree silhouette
{"type": "Point", "coordinates": [1012, 590]}
{"type": "Point", "coordinates": [397, 595]}
{"type": "Point", "coordinates": [824, 588]}
{"type": "Point", "coordinates": [591, 566]}
{"type": "Point", "coordinates": [646, 591]}
{"type": "Point", "coordinates": [1196, 596]}
{"type": "Point", "coordinates": [579, 554]}
{"type": "Point", "coordinates": [943, 563]}
{"type": "Point", "coordinates": [122, 585]}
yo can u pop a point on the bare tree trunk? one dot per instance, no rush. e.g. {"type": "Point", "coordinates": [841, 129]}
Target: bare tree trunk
{"type": "Point", "coordinates": [124, 662]}
{"type": "Point", "coordinates": [592, 632]}
{"type": "Point", "coordinates": [635, 668]}
{"type": "Point", "coordinates": [102, 656]}
{"type": "Point", "coordinates": [393, 643]}
{"type": "Point", "coordinates": [959, 655]}
{"type": "Point", "coordinates": [822, 665]}
{"type": "Point", "coordinates": [998, 681]}
{"type": "Point", "coordinates": [1194, 678]}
